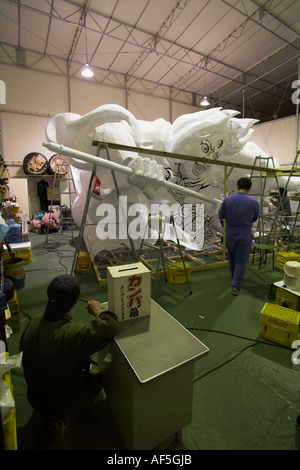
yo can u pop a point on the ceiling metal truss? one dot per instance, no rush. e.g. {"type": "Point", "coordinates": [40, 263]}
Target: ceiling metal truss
{"type": "Point", "coordinates": [242, 53]}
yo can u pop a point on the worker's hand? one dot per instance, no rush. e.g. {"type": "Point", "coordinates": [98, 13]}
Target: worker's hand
{"type": "Point", "coordinates": [94, 307]}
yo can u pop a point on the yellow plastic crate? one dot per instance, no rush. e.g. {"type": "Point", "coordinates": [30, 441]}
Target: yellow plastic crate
{"type": "Point", "coordinates": [10, 431]}
{"type": "Point", "coordinates": [287, 299]}
{"type": "Point", "coordinates": [14, 303]}
{"type": "Point", "coordinates": [283, 257]}
{"type": "Point", "coordinates": [9, 422]}
{"type": "Point", "coordinates": [176, 274]}
{"type": "Point", "coordinates": [14, 321]}
{"type": "Point", "coordinates": [13, 209]}
{"type": "Point", "coordinates": [84, 262]}
{"type": "Point", "coordinates": [25, 254]}
{"type": "Point", "coordinates": [279, 324]}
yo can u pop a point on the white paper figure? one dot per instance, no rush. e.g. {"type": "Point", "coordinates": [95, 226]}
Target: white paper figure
{"type": "Point", "coordinates": [215, 134]}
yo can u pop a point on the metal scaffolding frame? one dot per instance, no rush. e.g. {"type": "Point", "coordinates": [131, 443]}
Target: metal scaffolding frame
{"type": "Point", "coordinates": [228, 168]}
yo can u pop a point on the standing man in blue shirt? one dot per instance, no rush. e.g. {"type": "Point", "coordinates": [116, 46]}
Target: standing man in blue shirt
{"type": "Point", "coordinates": [239, 211]}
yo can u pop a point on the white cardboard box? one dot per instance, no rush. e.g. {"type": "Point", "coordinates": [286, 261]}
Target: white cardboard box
{"type": "Point", "coordinates": [129, 291]}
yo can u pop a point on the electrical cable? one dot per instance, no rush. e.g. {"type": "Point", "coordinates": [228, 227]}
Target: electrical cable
{"type": "Point", "coordinates": [25, 314]}
{"type": "Point", "coordinates": [29, 316]}
{"type": "Point", "coordinates": [60, 253]}
{"type": "Point", "coordinates": [241, 337]}
{"type": "Point", "coordinates": [226, 362]}
{"type": "Point", "coordinates": [255, 342]}
{"type": "Point", "coordinates": [249, 268]}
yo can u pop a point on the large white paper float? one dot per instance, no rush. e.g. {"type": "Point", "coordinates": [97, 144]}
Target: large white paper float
{"type": "Point", "coordinates": [215, 134]}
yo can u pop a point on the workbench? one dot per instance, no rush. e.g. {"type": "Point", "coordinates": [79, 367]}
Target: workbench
{"type": "Point", "coordinates": [150, 382]}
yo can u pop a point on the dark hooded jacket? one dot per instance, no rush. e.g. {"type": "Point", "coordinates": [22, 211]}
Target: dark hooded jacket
{"type": "Point", "coordinates": [54, 356]}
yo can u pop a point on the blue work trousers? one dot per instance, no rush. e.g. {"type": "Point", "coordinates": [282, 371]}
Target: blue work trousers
{"type": "Point", "coordinates": [238, 246]}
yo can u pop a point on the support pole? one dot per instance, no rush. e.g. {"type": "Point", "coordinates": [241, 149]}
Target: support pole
{"type": "Point", "coordinates": [69, 152]}
{"type": "Point", "coordinates": [83, 220]}
{"type": "Point", "coordinates": [120, 205]}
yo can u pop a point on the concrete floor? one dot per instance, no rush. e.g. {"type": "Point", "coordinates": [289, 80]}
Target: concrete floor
{"type": "Point", "coordinates": [246, 390]}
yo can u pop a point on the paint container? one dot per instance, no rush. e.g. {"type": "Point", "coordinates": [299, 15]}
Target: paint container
{"type": "Point", "coordinates": [14, 270]}
{"type": "Point", "coordinates": [292, 275]}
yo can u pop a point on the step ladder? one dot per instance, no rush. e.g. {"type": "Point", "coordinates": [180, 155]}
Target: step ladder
{"type": "Point", "coordinates": [263, 218]}
{"type": "Point", "coordinates": [100, 147]}
{"type": "Point", "coordinates": [64, 183]}
{"type": "Point", "coordinates": [295, 218]}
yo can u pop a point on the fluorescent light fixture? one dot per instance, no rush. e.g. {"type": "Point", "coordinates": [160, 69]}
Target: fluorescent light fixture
{"type": "Point", "coordinates": [205, 101]}
{"type": "Point", "coordinates": [87, 72]}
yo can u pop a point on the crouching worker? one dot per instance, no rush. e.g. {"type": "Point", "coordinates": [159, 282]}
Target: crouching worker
{"type": "Point", "coordinates": [49, 223]}
{"type": "Point", "coordinates": [36, 222]}
{"type": "Point", "coordinates": [56, 353]}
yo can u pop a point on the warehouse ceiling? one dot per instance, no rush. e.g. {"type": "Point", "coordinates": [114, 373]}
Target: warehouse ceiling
{"type": "Point", "coordinates": [242, 54]}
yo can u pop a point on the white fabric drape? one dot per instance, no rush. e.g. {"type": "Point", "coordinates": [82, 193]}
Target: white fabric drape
{"type": "Point", "coordinates": [277, 139]}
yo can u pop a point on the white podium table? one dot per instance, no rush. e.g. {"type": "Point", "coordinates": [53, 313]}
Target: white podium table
{"type": "Point", "coordinates": [150, 382]}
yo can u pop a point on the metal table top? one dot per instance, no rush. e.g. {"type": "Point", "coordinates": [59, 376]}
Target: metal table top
{"type": "Point", "coordinates": [156, 344]}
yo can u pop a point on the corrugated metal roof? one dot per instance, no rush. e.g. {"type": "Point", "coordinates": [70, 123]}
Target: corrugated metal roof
{"type": "Point", "coordinates": [243, 54]}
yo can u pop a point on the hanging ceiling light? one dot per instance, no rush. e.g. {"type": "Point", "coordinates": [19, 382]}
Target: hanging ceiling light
{"type": "Point", "coordinates": [205, 101]}
{"type": "Point", "coordinates": [87, 71]}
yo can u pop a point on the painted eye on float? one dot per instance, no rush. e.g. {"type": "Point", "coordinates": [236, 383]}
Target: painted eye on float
{"type": "Point", "coordinates": [205, 146]}
{"type": "Point", "coordinates": [220, 143]}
